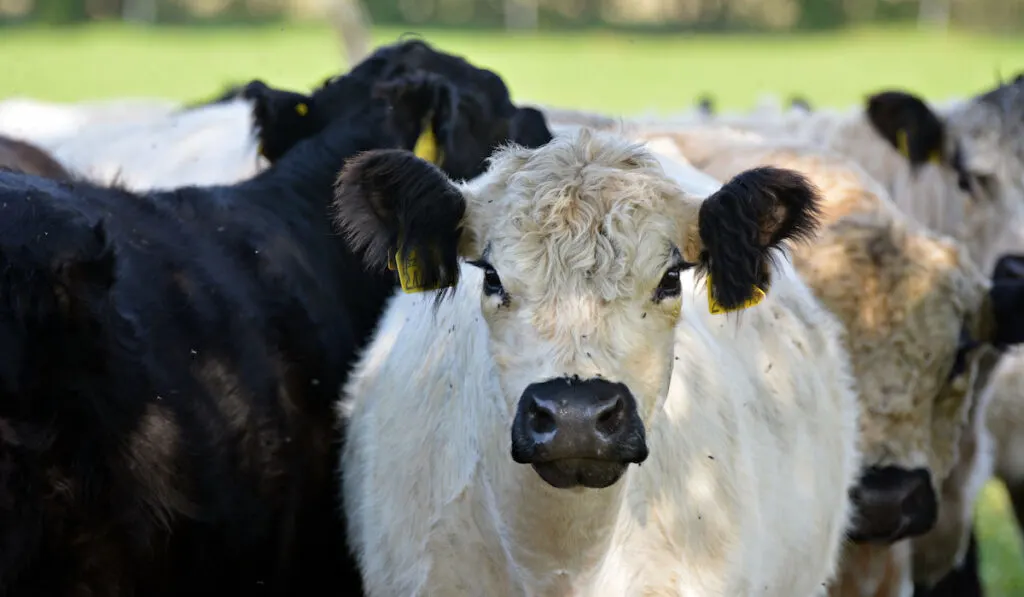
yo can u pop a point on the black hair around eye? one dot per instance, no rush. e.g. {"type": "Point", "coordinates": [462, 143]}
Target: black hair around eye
{"type": "Point", "coordinates": [492, 283]}
{"type": "Point", "coordinates": [670, 286]}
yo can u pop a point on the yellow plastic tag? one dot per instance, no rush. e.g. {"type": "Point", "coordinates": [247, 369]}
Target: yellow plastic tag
{"type": "Point", "coordinates": [935, 157]}
{"type": "Point", "coordinates": [715, 309]}
{"type": "Point", "coordinates": [426, 146]}
{"type": "Point", "coordinates": [259, 149]}
{"type": "Point", "coordinates": [902, 145]}
{"type": "Point", "coordinates": [409, 274]}
{"type": "Point", "coordinates": [301, 109]}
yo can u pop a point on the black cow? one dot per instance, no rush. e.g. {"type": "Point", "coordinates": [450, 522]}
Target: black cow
{"type": "Point", "coordinates": [171, 359]}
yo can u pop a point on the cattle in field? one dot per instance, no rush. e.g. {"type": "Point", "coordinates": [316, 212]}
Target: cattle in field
{"type": "Point", "coordinates": [918, 317]}
{"type": "Point", "coordinates": [24, 157]}
{"type": "Point", "coordinates": [172, 359]}
{"type": "Point", "coordinates": [492, 425]}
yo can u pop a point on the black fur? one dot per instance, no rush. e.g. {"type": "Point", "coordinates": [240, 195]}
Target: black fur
{"type": "Point", "coordinates": [250, 278]}
{"type": "Point", "coordinates": [963, 581]}
{"type": "Point", "coordinates": [1009, 267]}
{"type": "Point", "coordinates": [745, 220]}
{"type": "Point", "coordinates": [279, 121]}
{"type": "Point", "coordinates": [892, 111]}
{"type": "Point", "coordinates": [1007, 294]}
{"type": "Point", "coordinates": [391, 198]}
{"type": "Point", "coordinates": [471, 108]}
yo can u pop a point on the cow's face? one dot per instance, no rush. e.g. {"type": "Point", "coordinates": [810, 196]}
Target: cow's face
{"type": "Point", "coordinates": [990, 130]}
{"type": "Point", "coordinates": [581, 243]}
{"type": "Point", "coordinates": [912, 306]}
{"type": "Point", "coordinates": [974, 148]}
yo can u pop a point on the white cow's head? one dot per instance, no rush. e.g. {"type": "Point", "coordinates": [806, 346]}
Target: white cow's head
{"type": "Point", "coordinates": [581, 242]}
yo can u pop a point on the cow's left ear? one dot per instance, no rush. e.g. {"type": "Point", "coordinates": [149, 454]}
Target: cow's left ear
{"type": "Point", "coordinates": [909, 125]}
{"type": "Point", "coordinates": [281, 118]}
{"type": "Point", "coordinates": [402, 212]}
{"type": "Point", "coordinates": [739, 227]}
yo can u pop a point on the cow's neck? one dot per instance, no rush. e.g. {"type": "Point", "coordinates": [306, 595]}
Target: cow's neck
{"type": "Point", "coordinates": [308, 171]}
{"type": "Point", "coordinates": [557, 538]}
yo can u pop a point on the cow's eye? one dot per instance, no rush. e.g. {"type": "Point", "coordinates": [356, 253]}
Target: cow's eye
{"type": "Point", "coordinates": [492, 283]}
{"type": "Point", "coordinates": [670, 287]}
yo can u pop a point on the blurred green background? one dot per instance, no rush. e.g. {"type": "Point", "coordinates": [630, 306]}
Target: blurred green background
{"type": "Point", "coordinates": [620, 56]}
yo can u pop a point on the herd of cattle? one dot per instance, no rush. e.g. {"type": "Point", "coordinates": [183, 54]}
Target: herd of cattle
{"type": "Point", "coordinates": [800, 325]}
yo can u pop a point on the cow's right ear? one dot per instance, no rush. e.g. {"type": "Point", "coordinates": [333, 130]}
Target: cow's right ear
{"type": "Point", "coordinates": [742, 224]}
{"type": "Point", "coordinates": [402, 212]}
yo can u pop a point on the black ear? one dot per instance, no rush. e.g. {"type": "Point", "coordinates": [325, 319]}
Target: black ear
{"type": "Point", "coordinates": [529, 128]}
{"type": "Point", "coordinates": [800, 102]}
{"type": "Point", "coordinates": [1009, 267]}
{"type": "Point", "coordinates": [419, 100]}
{"type": "Point", "coordinates": [282, 118]}
{"type": "Point", "coordinates": [389, 203]}
{"type": "Point", "coordinates": [909, 125]}
{"type": "Point", "coordinates": [743, 222]}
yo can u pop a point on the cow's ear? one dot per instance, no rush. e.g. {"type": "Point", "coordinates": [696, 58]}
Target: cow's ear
{"type": "Point", "coordinates": [742, 224]}
{"type": "Point", "coordinates": [909, 125]}
{"type": "Point", "coordinates": [529, 128]}
{"type": "Point", "coordinates": [402, 212]}
{"type": "Point", "coordinates": [422, 106]}
{"type": "Point", "coordinates": [281, 118]}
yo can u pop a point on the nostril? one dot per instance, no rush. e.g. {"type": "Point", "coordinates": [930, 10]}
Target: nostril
{"type": "Point", "coordinates": [541, 420]}
{"type": "Point", "coordinates": [609, 419]}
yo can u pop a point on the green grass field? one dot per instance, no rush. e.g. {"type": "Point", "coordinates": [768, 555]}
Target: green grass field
{"type": "Point", "coordinates": [609, 72]}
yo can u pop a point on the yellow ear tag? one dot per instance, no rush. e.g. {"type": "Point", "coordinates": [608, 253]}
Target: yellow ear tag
{"type": "Point", "coordinates": [301, 109]}
{"type": "Point", "coordinates": [902, 145]}
{"type": "Point", "coordinates": [409, 274]}
{"type": "Point", "coordinates": [935, 157]}
{"type": "Point", "coordinates": [715, 309]}
{"type": "Point", "coordinates": [426, 146]}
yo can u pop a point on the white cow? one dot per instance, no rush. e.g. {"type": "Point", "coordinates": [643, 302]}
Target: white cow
{"type": "Point", "coordinates": [579, 338]}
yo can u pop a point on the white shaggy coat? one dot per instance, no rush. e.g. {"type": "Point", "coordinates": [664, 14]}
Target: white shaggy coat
{"type": "Point", "coordinates": [744, 493]}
